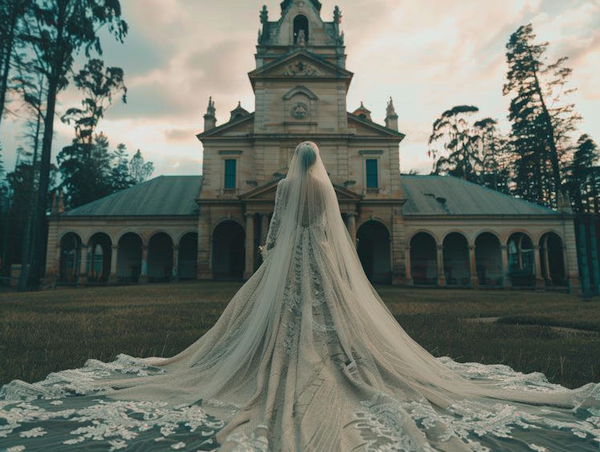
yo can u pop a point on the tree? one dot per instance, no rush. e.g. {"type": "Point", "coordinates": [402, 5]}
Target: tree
{"type": "Point", "coordinates": [55, 31]}
{"type": "Point", "coordinates": [99, 85]}
{"type": "Point", "coordinates": [4, 203]}
{"type": "Point", "coordinates": [11, 16]}
{"type": "Point", "coordinates": [452, 145]}
{"type": "Point", "coordinates": [495, 159]}
{"type": "Point", "coordinates": [584, 176]}
{"type": "Point", "coordinates": [86, 165]}
{"type": "Point", "coordinates": [140, 170]}
{"type": "Point", "coordinates": [541, 118]}
{"type": "Point", "coordinates": [85, 171]}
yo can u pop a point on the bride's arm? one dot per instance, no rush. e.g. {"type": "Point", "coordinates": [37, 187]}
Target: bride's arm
{"type": "Point", "coordinates": [275, 220]}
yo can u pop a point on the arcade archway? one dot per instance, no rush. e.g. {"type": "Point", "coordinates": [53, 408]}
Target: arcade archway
{"type": "Point", "coordinates": [423, 259]}
{"type": "Point", "coordinates": [373, 246]}
{"type": "Point", "coordinates": [228, 251]}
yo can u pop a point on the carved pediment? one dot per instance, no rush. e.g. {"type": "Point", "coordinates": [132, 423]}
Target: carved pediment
{"type": "Point", "coordinates": [300, 65]}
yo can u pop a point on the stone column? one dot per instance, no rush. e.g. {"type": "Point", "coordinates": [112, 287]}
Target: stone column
{"type": "Point", "coordinates": [539, 280]}
{"type": "Point", "coordinates": [264, 227]}
{"type": "Point", "coordinates": [203, 257]}
{"type": "Point", "coordinates": [570, 252]}
{"type": "Point", "coordinates": [83, 266]}
{"type": "Point", "coordinates": [506, 282]}
{"type": "Point", "coordinates": [473, 267]}
{"type": "Point", "coordinates": [441, 278]}
{"type": "Point", "coordinates": [143, 279]}
{"type": "Point", "coordinates": [546, 260]}
{"type": "Point", "coordinates": [351, 226]}
{"type": "Point", "coordinates": [52, 271]}
{"type": "Point", "coordinates": [175, 268]}
{"type": "Point", "coordinates": [249, 269]}
{"type": "Point", "coordinates": [408, 272]}
{"type": "Point", "coordinates": [595, 269]}
{"type": "Point", "coordinates": [113, 264]}
{"type": "Point", "coordinates": [56, 269]}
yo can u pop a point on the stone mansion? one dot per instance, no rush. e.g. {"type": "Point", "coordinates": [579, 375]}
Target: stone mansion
{"type": "Point", "coordinates": [409, 229]}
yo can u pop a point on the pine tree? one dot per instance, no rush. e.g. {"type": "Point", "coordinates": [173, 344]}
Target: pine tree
{"type": "Point", "coordinates": [541, 118]}
{"type": "Point", "coordinates": [11, 22]}
{"type": "Point", "coordinates": [584, 176]}
{"type": "Point", "coordinates": [139, 169]}
{"type": "Point", "coordinates": [452, 145]}
{"type": "Point", "coordinates": [493, 147]}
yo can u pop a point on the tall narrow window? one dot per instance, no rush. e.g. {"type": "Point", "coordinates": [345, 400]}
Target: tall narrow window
{"type": "Point", "coordinates": [230, 176]}
{"type": "Point", "coordinates": [372, 173]}
{"type": "Point", "coordinates": [300, 30]}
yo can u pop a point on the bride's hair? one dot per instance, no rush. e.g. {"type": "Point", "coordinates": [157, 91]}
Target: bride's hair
{"type": "Point", "coordinates": [307, 154]}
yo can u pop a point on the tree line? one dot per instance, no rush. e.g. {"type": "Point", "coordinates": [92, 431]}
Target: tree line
{"type": "Point", "coordinates": [41, 45]}
{"type": "Point", "coordinates": [543, 159]}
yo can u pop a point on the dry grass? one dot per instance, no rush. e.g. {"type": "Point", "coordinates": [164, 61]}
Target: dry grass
{"type": "Point", "coordinates": [41, 332]}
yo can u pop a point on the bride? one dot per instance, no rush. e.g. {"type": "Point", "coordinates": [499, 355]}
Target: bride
{"type": "Point", "coordinates": [306, 357]}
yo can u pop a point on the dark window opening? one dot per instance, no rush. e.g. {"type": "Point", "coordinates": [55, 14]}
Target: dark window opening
{"type": "Point", "coordinates": [300, 29]}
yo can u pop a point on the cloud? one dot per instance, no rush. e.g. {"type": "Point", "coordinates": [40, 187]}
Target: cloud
{"type": "Point", "coordinates": [180, 135]}
{"type": "Point", "coordinates": [429, 55]}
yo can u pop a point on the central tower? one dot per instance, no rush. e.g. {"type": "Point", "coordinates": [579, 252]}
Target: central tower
{"type": "Point", "coordinates": [300, 81]}
{"type": "Point", "coordinates": [300, 84]}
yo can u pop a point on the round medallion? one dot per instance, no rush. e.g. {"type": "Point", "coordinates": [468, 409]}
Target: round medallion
{"type": "Point", "coordinates": [299, 110]}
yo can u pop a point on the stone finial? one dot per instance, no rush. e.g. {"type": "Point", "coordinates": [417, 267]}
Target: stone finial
{"type": "Point", "coordinates": [391, 118]}
{"type": "Point", "coordinates": [210, 120]}
{"type": "Point", "coordinates": [337, 15]}
{"type": "Point", "coordinates": [264, 15]}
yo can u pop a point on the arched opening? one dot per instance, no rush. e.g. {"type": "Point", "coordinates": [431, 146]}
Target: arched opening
{"type": "Point", "coordinates": [129, 259]}
{"type": "Point", "coordinates": [70, 255]}
{"type": "Point", "coordinates": [488, 260]}
{"type": "Point", "coordinates": [160, 258]}
{"type": "Point", "coordinates": [552, 259]}
{"type": "Point", "coordinates": [521, 260]}
{"type": "Point", "coordinates": [300, 29]}
{"type": "Point", "coordinates": [423, 259]}
{"type": "Point", "coordinates": [456, 260]}
{"type": "Point", "coordinates": [99, 257]}
{"type": "Point", "coordinates": [188, 256]}
{"type": "Point", "coordinates": [373, 246]}
{"type": "Point", "coordinates": [228, 251]}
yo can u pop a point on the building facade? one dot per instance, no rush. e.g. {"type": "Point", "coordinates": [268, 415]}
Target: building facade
{"type": "Point", "coordinates": [424, 230]}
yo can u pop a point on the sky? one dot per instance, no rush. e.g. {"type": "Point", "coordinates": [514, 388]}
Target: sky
{"type": "Point", "coordinates": [427, 55]}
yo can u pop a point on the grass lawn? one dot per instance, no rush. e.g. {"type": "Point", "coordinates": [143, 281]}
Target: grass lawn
{"type": "Point", "coordinates": [42, 332]}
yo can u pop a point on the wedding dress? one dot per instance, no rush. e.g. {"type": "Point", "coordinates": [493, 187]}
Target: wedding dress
{"type": "Point", "coordinates": [306, 357]}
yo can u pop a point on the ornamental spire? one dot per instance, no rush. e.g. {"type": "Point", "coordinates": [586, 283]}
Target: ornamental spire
{"type": "Point", "coordinates": [210, 120]}
{"type": "Point", "coordinates": [391, 118]}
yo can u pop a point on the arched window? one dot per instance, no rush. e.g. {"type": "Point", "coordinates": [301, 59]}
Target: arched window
{"type": "Point", "coordinates": [300, 29]}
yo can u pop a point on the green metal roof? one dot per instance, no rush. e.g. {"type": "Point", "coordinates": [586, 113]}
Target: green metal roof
{"type": "Point", "coordinates": [161, 196]}
{"type": "Point", "coordinates": [425, 195]}
{"type": "Point", "coordinates": [447, 195]}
